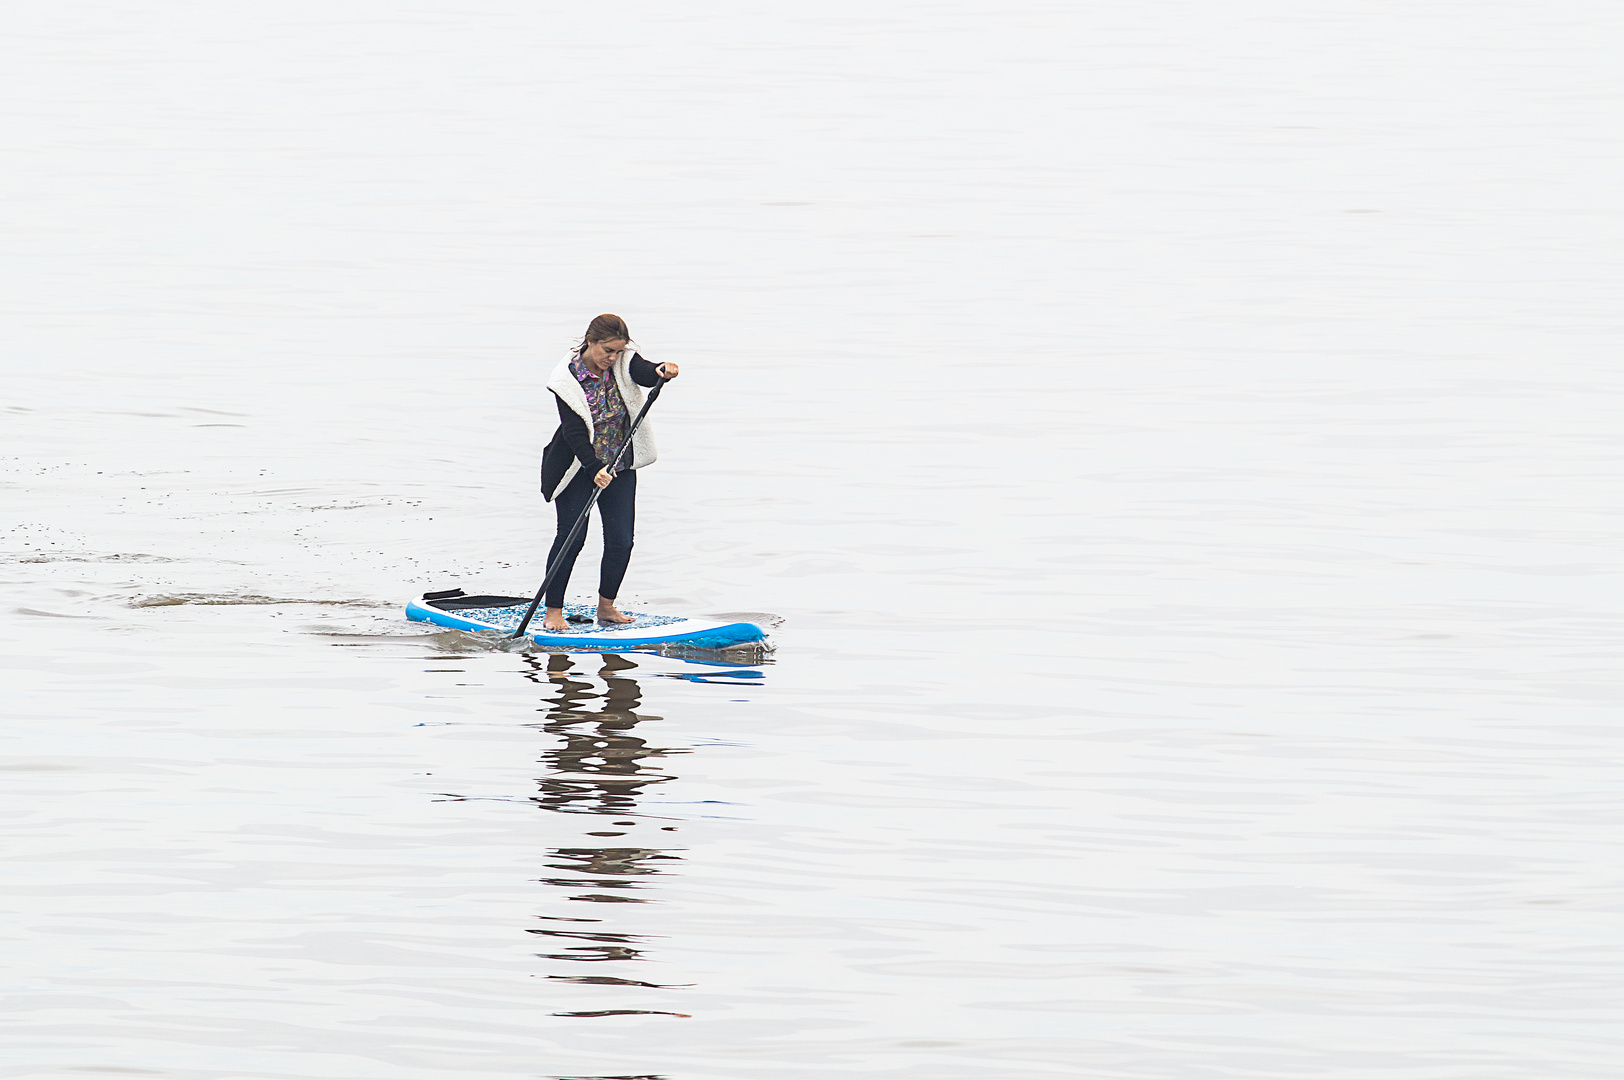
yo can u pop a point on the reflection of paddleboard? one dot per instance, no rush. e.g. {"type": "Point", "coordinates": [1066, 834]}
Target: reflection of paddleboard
{"type": "Point", "coordinates": [452, 608]}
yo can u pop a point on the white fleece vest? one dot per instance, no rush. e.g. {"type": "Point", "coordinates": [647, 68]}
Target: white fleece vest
{"type": "Point", "coordinates": [563, 383]}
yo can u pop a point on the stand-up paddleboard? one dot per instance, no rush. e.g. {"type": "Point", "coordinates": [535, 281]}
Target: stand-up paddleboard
{"type": "Point", "coordinates": [452, 608]}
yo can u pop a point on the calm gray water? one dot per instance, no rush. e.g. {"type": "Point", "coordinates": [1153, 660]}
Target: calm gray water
{"type": "Point", "coordinates": [1177, 445]}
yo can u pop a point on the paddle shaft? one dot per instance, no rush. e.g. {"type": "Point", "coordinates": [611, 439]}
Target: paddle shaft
{"type": "Point", "coordinates": [579, 528]}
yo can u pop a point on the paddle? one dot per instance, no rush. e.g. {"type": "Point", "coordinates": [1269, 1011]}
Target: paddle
{"type": "Point", "coordinates": [580, 522]}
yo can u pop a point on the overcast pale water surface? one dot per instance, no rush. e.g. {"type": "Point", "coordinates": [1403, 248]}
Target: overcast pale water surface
{"type": "Point", "coordinates": [1181, 442]}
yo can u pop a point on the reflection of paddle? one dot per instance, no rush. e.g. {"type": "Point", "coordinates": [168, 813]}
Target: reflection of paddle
{"type": "Point", "coordinates": [580, 522]}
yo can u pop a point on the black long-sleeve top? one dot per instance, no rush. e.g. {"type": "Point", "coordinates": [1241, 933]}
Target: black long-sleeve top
{"type": "Point", "coordinates": [572, 441]}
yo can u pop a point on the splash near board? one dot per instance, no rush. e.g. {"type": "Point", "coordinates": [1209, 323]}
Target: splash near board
{"type": "Point", "coordinates": [453, 609]}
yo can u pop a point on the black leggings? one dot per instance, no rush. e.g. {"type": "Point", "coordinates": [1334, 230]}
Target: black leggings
{"type": "Point", "coordinates": [617, 510]}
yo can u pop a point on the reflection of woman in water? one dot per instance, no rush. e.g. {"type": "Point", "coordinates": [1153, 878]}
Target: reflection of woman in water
{"type": "Point", "coordinates": [602, 767]}
{"type": "Point", "coordinates": [599, 388]}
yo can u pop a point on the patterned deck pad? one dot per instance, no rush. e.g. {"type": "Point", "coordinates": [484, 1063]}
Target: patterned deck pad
{"type": "Point", "coordinates": [507, 618]}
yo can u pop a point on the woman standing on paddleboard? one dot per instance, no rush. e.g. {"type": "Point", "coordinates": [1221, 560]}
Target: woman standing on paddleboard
{"type": "Point", "coordinates": [599, 388]}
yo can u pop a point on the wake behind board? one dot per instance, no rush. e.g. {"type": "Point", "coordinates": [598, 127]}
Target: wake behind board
{"type": "Point", "coordinates": [452, 608]}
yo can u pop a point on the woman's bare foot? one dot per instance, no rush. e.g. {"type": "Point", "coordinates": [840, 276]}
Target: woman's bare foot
{"type": "Point", "coordinates": [608, 613]}
{"type": "Point", "coordinates": [555, 620]}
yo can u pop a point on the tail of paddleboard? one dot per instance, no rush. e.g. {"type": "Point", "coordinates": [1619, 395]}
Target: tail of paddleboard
{"type": "Point", "coordinates": [454, 609]}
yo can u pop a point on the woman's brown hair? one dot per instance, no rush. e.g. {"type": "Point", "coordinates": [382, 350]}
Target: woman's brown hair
{"type": "Point", "coordinates": [606, 328]}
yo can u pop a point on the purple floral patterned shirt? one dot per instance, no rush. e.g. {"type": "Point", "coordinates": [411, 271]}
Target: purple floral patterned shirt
{"type": "Point", "coordinates": [609, 420]}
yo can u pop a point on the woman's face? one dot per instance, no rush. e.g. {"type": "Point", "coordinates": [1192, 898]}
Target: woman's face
{"type": "Point", "coordinates": [601, 355]}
